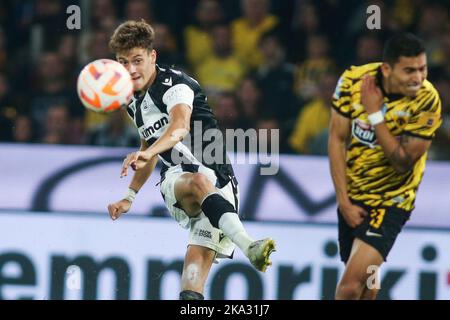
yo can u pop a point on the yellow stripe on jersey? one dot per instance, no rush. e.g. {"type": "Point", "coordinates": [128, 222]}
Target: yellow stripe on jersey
{"type": "Point", "coordinates": [371, 178]}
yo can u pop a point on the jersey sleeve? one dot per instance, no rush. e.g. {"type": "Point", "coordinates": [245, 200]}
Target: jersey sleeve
{"type": "Point", "coordinates": [179, 93]}
{"type": "Point", "coordinates": [426, 118]}
{"type": "Point", "coordinates": [342, 99]}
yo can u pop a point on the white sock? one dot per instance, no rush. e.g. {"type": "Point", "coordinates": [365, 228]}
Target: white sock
{"type": "Point", "coordinates": [232, 227]}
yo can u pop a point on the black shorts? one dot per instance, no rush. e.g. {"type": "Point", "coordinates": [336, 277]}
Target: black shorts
{"type": "Point", "coordinates": [379, 229]}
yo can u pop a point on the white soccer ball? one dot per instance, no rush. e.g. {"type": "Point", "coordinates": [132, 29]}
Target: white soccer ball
{"type": "Point", "coordinates": [104, 86]}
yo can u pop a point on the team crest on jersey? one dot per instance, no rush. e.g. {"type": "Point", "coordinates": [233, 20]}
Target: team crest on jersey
{"type": "Point", "coordinates": [364, 132]}
{"type": "Point", "coordinates": [401, 118]}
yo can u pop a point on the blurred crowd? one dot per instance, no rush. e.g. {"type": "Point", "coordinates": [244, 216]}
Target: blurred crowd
{"type": "Point", "coordinates": [264, 64]}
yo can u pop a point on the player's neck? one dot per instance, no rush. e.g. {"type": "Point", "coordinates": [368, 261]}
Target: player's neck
{"type": "Point", "coordinates": [151, 79]}
{"type": "Point", "coordinates": [385, 87]}
{"type": "Point", "coordinates": [388, 88]}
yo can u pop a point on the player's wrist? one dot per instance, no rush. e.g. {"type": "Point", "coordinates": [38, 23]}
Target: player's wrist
{"type": "Point", "coordinates": [344, 203]}
{"type": "Point", "coordinates": [148, 154]}
{"type": "Point", "coordinates": [376, 118]}
{"type": "Point", "coordinates": [130, 195]}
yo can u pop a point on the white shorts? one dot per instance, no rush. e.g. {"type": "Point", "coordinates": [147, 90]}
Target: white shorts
{"type": "Point", "coordinates": [201, 233]}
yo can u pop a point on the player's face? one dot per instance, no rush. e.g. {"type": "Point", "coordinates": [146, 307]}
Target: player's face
{"type": "Point", "coordinates": [140, 63]}
{"type": "Point", "coordinates": [407, 75]}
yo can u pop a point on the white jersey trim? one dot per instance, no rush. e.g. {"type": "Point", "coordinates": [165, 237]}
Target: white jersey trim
{"type": "Point", "coordinates": [184, 150]}
{"type": "Point", "coordinates": [179, 93]}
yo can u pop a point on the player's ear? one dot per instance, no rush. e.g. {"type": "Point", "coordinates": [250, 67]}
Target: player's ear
{"type": "Point", "coordinates": [153, 56]}
{"type": "Point", "coordinates": [386, 69]}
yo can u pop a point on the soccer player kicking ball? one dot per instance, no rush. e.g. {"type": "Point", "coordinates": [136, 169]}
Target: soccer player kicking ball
{"type": "Point", "coordinates": [384, 117]}
{"type": "Point", "coordinates": [201, 195]}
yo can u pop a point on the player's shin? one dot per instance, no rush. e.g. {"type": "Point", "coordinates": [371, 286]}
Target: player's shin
{"type": "Point", "coordinates": [222, 215]}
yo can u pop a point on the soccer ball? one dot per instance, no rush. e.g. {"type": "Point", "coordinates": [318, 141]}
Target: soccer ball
{"type": "Point", "coordinates": [104, 86]}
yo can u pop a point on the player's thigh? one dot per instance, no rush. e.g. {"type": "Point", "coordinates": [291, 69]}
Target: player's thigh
{"type": "Point", "coordinates": [189, 188]}
{"type": "Point", "coordinates": [363, 262]}
{"type": "Point", "coordinates": [370, 294]}
{"type": "Point", "coordinates": [197, 264]}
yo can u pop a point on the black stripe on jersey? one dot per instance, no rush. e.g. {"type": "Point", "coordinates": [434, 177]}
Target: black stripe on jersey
{"type": "Point", "coordinates": [138, 116]}
{"type": "Point", "coordinates": [392, 104]}
{"type": "Point", "coordinates": [130, 113]}
{"type": "Point", "coordinates": [193, 168]}
{"type": "Point", "coordinates": [167, 156]}
{"type": "Point", "coordinates": [387, 174]}
{"type": "Point", "coordinates": [190, 167]}
{"type": "Point", "coordinates": [380, 187]}
{"type": "Point", "coordinates": [343, 94]}
{"type": "Point", "coordinates": [415, 135]}
{"type": "Point", "coordinates": [430, 104]}
{"type": "Point", "coordinates": [400, 183]}
{"type": "Point", "coordinates": [236, 200]}
{"type": "Point", "coordinates": [362, 170]}
{"type": "Point", "coordinates": [347, 115]}
{"type": "Point", "coordinates": [425, 101]}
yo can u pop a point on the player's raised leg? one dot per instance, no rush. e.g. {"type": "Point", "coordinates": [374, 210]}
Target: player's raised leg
{"type": "Point", "coordinates": [197, 264]}
{"type": "Point", "coordinates": [353, 284]}
{"type": "Point", "coordinates": [196, 193]}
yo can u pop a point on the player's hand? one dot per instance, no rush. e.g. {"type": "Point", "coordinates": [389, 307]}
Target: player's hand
{"type": "Point", "coordinates": [116, 209]}
{"type": "Point", "coordinates": [353, 215]}
{"type": "Point", "coordinates": [371, 95]}
{"type": "Point", "coordinates": [136, 160]}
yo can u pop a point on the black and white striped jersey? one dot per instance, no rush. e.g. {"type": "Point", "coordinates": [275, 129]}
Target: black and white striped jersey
{"type": "Point", "coordinates": [150, 113]}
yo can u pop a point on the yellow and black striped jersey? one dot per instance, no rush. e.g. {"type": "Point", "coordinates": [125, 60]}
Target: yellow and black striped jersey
{"type": "Point", "coordinates": [370, 177]}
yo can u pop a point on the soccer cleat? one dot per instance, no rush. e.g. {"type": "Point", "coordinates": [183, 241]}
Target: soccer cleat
{"type": "Point", "coordinates": [258, 253]}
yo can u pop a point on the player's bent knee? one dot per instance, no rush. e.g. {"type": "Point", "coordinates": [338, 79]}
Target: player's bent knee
{"type": "Point", "coordinates": [200, 185]}
{"type": "Point", "coordinates": [191, 295]}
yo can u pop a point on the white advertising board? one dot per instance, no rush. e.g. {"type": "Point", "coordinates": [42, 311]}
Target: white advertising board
{"type": "Point", "coordinates": [86, 179]}
{"type": "Point", "coordinates": [64, 256]}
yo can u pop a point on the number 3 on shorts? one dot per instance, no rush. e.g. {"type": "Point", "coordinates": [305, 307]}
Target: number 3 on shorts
{"type": "Point", "coordinates": [376, 217]}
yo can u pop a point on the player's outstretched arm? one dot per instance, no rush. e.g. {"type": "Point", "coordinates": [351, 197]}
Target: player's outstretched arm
{"type": "Point", "coordinates": [139, 178]}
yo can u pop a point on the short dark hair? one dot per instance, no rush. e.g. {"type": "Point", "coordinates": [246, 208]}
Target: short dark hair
{"type": "Point", "coordinates": [402, 45]}
{"type": "Point", "coordinates": [132, 34]}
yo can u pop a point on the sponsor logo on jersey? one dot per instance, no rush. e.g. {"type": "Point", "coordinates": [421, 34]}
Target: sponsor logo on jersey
{"type": "Point", "coordinates": [148, 131]}
{"type": "Point", "coordinates": [364, 132]}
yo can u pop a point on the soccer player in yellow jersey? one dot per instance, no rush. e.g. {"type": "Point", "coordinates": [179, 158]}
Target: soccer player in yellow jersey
{"type": "Point", "coordinates": [384, 117]}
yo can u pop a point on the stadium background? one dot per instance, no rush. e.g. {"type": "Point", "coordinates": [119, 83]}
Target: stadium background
{"type": "Point", "coordinates": [61, 163]}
